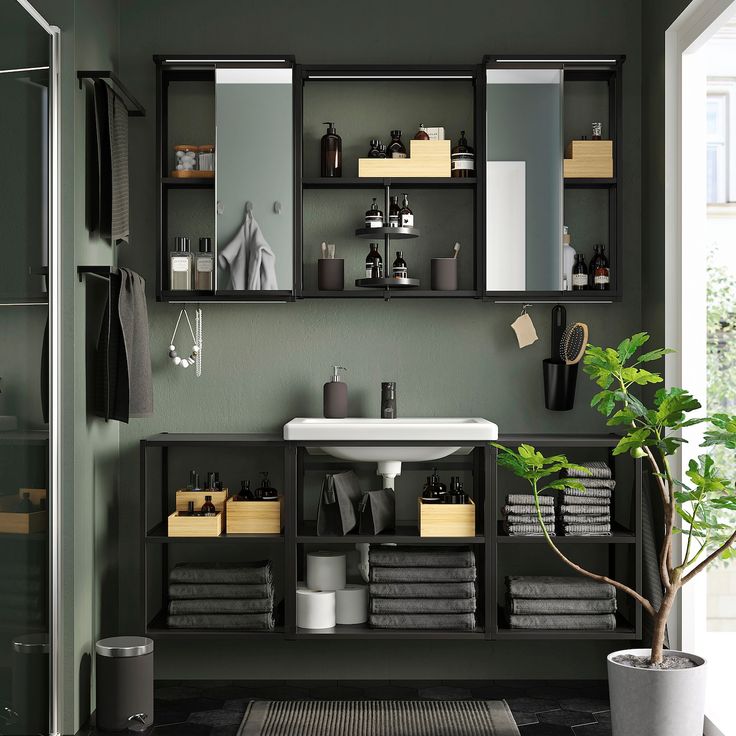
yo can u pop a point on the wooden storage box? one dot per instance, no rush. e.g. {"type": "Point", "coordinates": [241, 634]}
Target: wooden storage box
{"type": "Point", "coordinates": [254, 517]}
{"type": "Point", "coordinates": [183, 498]}
{"type": "Point", "coordinates": [195, 526]}
{"type": "Point", "coordinates": [426, 159]}
{"type": "Point", "coordinates": [588, 160]}
{"type": "Point", "coordinates": [11, 522]}
{"type": "Point", "coordinates": [446, 520]}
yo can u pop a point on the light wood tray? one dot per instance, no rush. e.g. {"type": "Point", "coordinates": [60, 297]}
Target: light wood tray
{"type": "Point", "coordinates": [195, 526]}
{"type": "Point", "coordinates": [446, 520]}
{"type": "Point", "coordinates": [254, 517]}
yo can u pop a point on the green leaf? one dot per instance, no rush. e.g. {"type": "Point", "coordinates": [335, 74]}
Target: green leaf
{"type": "Point", "coordinates": [630, 345]}
{"type": "Point", "coordinates": [632, 441]}
{"type": "Point", "coordinates": [653, 355]}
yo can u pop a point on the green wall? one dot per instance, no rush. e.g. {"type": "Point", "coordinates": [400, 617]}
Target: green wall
{"type": "Point", "coordinates": [266, 363]}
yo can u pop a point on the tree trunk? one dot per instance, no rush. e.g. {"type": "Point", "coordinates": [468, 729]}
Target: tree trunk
{"type": "Point", "coordinates": [660, 623]}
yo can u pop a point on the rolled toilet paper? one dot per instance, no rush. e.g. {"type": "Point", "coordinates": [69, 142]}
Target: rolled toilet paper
{"type": "Point", "coordinates": [326, 570]}
{"type": "Point", "coordinates": [315, 609]}
{"type": "Point", "coordinates": [351, 604]}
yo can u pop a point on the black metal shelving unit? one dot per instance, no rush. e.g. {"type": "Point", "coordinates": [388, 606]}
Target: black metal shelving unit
{"type": "Point", "coordinates": [491, 545]}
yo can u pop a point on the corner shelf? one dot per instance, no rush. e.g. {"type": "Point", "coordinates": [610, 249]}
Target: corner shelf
{"type": "Point", "coordinates": [378, 183]}
{"type": "Point", "coordinates": [388, 283]}
{"type": "Point", "coordinates": [381, 294]}
{"type": "Point", "coordinates": [364, 631]}
{"type": "Point", "coordinates": [395, 233]}
{"type": "Point", "coordinates": [159, 535]}
{"type": "Point", "coordinates": [403, 534]}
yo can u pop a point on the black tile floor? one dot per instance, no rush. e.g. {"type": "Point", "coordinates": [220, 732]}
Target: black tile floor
{"type": "Point", "coordinates": [541, 708]}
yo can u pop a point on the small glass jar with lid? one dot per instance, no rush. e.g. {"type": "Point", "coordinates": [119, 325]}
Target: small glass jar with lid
{"type": "Point", "coordinates": [186, 159]}
{"type": "Point", "coordinates": [206, 158]}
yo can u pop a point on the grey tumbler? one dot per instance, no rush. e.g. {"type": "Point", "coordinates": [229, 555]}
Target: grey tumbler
{"type": "Point", "coordinates": [124, 683]}
{"type": "Point", "coordinates": [30, 685]}
{"type": "Point", "coordinates": [330, 274]}
{"type": "Point", "coordinates": [444, 274]}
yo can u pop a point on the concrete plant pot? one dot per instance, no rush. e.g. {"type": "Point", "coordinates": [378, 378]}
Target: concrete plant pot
{"type": "Point", "coordinates": [656, 702]}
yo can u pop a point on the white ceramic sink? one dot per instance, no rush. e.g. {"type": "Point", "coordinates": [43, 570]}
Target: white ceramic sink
{"type": "Point", "coordinates": [453, 432]}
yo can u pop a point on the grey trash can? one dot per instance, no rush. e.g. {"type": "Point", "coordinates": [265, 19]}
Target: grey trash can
{"type": "Point", "coordinates": [30, 682]}
{"type": "Point", "coordinates": [124, 683]}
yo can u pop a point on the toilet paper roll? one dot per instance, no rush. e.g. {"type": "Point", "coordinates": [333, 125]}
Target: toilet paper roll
{"type": "Point", "coordinates": [351, 604]}
{"type": "Point", "coordinates": [315, 609]}
{"type": "Point", "coordinates": [326, 570]}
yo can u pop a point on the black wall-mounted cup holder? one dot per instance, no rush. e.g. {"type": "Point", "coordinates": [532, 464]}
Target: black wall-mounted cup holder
{"type": "Point", "coordinates": [560, 381]}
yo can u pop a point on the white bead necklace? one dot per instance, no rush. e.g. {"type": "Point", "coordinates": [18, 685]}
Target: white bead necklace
{"type": "Point", "coordinates": [193, 358]}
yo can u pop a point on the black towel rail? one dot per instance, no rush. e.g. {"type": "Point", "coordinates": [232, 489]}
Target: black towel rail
{"type": "Point", "coordinates": [100, 272]}
{"type": "Point", "coordinates": [135, 109]}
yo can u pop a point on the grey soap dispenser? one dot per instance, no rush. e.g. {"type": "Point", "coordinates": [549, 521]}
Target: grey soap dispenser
{"type": "Point", "coordinates": [336, 395]}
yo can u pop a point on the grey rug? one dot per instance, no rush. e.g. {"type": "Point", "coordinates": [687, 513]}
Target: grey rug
{"type": "Point", "coordinates": [378, 718]}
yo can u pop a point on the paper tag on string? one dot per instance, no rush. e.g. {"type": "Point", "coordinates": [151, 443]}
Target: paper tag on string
{"type": "Point", "coordinates": [526, 334]}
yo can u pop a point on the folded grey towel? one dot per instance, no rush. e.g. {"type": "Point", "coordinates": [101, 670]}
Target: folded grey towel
{"type": "Point", "coordinates": [186, 591]}
{"type": "Point", "coordinates": [587, 530]}
{"type": "Point", "coordinates": [603, 621]}
{"type": "Point", "coordinates": [535, 528]}
{"type": "Point", "coordinates": [591, 492]}
{"type": "Point", "coordinates": [599, 503]}
{"type": "Point", "coordinates": [586, 519]}
{"type": "Point", "coordinates": [527, 499]}
{"type": "Point", "coordinates": [588, 483]}
{"type": "Point", "coordinates": [422, 574]}
{"type": "Point", "coordinates": [518, 508]}
{"type": "Point", "coordinates": [596, 469]}
{"type": "Point", "coordinates": [421, 556]}
{"type": "Point", "coordinates": [249, 621]}
{"type": "Point", "coordinates": [557, 586]}
{"type": "Point", "coordinates": [422, 590]}
{"type": "Point", "coordinates": [222, 572]}
{"type": "Point", "coordinates": [422, 605]}
{"type": "Point", "coordinates": [221, 605]}
{"type": "Point", "coordinates": [560, 605]}
{"type": "Point", "coordinates": [460, 621]}
{"type": "Point", "coordinates": [548, 519]}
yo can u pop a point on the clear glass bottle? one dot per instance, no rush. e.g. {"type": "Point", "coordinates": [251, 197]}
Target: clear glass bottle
{"type": "Point", "coordinates": [374, 216]}
{"type": "Point", "coordinates": [185, 159]}
{"type": "Point", "coordinates": [396, 148]}
{"type": "Point", "coordinates": [374, 263]}
{"type": "Point", "coordinates": [406, 216]}
{"type": "Point", "coordinates": [579, 273]}
{"type": "Point", "coordinates": [394, 211]}
{"type": "Point", "coordinates": [204, 266]}
{"type": "Point", "coordinates": [399, 269]}
{"type": "Point", "coordinates": [181, 265]}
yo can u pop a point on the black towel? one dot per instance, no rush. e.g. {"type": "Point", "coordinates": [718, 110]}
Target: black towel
{"type": "Point", "coordinates": [104, 160]}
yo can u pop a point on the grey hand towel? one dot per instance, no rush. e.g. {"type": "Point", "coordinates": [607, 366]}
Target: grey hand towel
{"type": "Point", "coordinates": [188, 591]}
{"type": "Point", "coordinates": [548, 519]}
{"type": "Point", "coordinates": [459, 621]}
{"type": "Point", "coordinates": [133, 315]}
{"type": "Point", "coordinates": [586, 519]}
{"type": "Point", "coordinates": [421, 556]}
{"type": "Point", "coordinates": [248, 621]}
{"type": "Point", "coordinates": [597, 482]}
{"type": "Point", "coordinates": [422, 574]}
{"type": "Point", "coordinates": [222, 572]}
{"type": "Point", "coordinates": [557, 586]}
{"type": "Point", "coordinates": [587, 530]}
{"type": "Point", "coordinates": [585, 501]}
{"type": "Point", "coordinates": [528, 499]}
{"type": "Point", "coordinates": [422, 605]}
{"type": "Point", "coordinates": [595, 468]}
{"type": "Point", "coordinates": [524, 529]}
{"type": "Point", "coordinates": [603, 621]}
{"type": "Point", "coordinates": [117, 118]}
{"type": "Point", "coordinates": [221, 605]}
{"type": "Point", "coordinates": [560, 605]}
{"type": "Point", "coordinates": [422, 590]}
{"type": "Point", "coordinates": [518, 508]}
{"type": "Point", "coordinates": [589, 492]}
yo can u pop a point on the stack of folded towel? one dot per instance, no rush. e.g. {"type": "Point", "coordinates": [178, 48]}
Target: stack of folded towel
{"type": "Point", "coordinates": [547, 602]}
{"type": "Point", "coordinates": [521, 515]}
{"type": "Point", "coordinates": [218, 595]}
{"type": "Point", "coordinates": [422, 588]}
{"type": "Point", "coordinates": [588, 512]}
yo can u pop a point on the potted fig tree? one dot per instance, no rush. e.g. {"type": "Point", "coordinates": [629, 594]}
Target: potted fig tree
{"type": "Point", "coordinates": [656, 691]}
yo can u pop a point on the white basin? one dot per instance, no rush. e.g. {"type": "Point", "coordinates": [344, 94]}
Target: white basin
{"type": "Point", "coordinates": [453, 432]}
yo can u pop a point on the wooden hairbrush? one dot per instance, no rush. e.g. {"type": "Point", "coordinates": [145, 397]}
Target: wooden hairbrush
{"type": "Point", "coordinates": [573, 343]}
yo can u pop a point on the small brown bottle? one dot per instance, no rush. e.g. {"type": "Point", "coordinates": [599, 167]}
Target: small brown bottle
{"type": "Point", "coordinates": [374, 263]}
{"type": "Point", "coordinates": [399, 269]}
{"type": "Point", "coordinates": [579, 273]}
{"type": "Point", "coordinates": [374, 216]}
{"type": "Point", "coordinates": [331, 152]}
{"type": "Point", "coordinates": [394, 212]}
{"type": "Point", "coordinates": [462, 159]}
{"type": "Point", "coordinates": [422, 134]}
{"type": "Point", "coordinates": [396, 148]}
{"type": "Point", "coordinates": [208, 508]}
{"type": "Point", "coordinates": [602, 273]}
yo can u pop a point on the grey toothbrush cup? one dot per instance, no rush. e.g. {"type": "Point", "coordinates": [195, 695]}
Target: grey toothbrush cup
{"type": "Point", "coordinates": [444, 274]}
{"type": "Point", "coordinates": [330, 274]}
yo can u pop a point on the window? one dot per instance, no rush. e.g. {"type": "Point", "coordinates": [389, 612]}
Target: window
{"type": "Point", "coordinates": [720, 138]}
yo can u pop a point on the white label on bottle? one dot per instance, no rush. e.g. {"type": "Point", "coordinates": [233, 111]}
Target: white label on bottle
{"type": "Point", "coordinates": [180, 264]}
{"type": "Point", "coordinates": [407, 220]}
{"type": "Point", "coordinates": [397, 154]}
{"type": "Point", "coordinates": [399, 272]}
{"type": "Point", "coordinates": [580, 279]}
{"type": "Point", "coordinates": [204, 264]}
{"type": "Point", "coordinates": [393, 220]}
{"type": "Point", "coordinates": [463, 164]}
{"type": "Point", "coordinates": [373, 222]}
{"type": "Point", "coordinates": [602, 279]}
{"type": "Point", "coordinates": [369, 271]}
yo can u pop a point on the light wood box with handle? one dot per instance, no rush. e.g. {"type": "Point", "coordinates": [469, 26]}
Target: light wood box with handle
{"type": "Point", "coordinates": [446, 519]}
